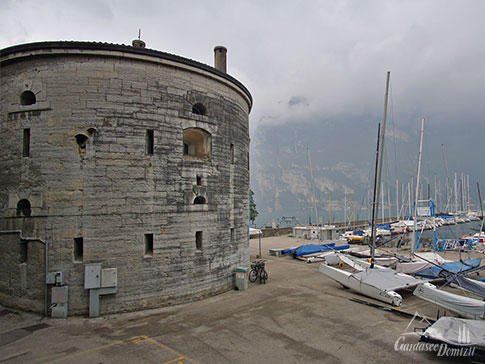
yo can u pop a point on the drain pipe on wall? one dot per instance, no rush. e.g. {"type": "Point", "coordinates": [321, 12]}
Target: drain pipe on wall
{"type": "Point", "coordinates": [46, 261]}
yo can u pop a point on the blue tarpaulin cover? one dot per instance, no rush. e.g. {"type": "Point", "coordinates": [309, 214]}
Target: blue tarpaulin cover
{"type": "Point", "coordinates": [467, 284]}
{"type": "Point", "coordinates": [453, 267]}
{"type": "Point", "coordinates": [314, 248]}
{"type": "Point", "coordinates": [382, 226]}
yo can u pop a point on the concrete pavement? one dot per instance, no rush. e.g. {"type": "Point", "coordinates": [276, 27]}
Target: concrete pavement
{"type": "Point", "coordinates": [299, 316]}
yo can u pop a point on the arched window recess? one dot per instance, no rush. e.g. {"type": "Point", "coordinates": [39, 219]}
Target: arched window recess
{"type": "Point", "coordinates": [199, 109]}
{"type": "Point", "coordinates": [200, 200]}
{"type": "Point", "coordinates": [24, 208]}
{"type": "Point", "coordinates": [27, 98]}
{"type": "Point", "coordinates": [197, 144]}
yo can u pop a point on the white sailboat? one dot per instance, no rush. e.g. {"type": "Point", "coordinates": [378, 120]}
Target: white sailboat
{"type": "Point", "coordinates": [374, 281]}
{"type": "Point", "coordinates": [467, 307]}
{"type": "Point", "coordinates": [462, 334]}
{"type": "Point", "coordinates": [412, 263]}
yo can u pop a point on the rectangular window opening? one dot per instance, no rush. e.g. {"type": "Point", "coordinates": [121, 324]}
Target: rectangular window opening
{"type": "Point", "coordinates": [149, 139]}
{"type": "Point", "coordinates": [23, 252]}
{"type": "Point", "coordinates": [232, 235]}
{"type": "Point", "coordinates": [149, 245]}
{"type": "Point", "coordinates": [199, 180]}
{"type": "Point", "coordinates": [186, 149]}
{"type": "Point", "coordinates": [78, 249]}
{"type": "Point", "coordinates": [198, 240]}
{"type": "Point", "coordinates": [232, 153]}
{"type": "Point", "coordinates": [26, 143]}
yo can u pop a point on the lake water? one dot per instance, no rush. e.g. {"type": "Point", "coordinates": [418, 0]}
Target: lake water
{"type": "Point", "coordinates": [444, 232]}
{"type": "Point", "coordinates": [455, 231]}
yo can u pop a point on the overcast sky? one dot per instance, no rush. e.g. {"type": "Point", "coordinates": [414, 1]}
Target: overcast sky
{"type": "Point", "coordinates": [301, 60]}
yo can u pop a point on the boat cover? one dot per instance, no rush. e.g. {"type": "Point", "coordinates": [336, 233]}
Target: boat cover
{"type": "Point", "coordinates": [453, 267]}
{"type": "Point", "coordinates": [457, 331]}
{"type": "Point", "coordinates": [314, 248]}
{"type": "Point", "coordinates": [468, 284]}
{"type": "Point", "coordinates": [465, 306]}
{"type": "Point", "coordinates": [413, 264]}
{"type": "Point", "coordinates": [386, 279]}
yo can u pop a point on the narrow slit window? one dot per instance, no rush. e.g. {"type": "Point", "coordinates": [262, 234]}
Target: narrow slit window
{"type": "Point", "coordinates": [148, 245]}
{"type": "Point", "coordinates": [199, 180]}
{"type": "Point", "coordinates": [26, 143]}
{"type": "Point", "coordinates": [149, 142]}
{"type": "Point", "coordinates": [23, 252]}
{"type": "Point", "coordinates": [78, 249]}
{"type": "Point", "coordinates": [232, 235]}
{"type": "Point", "coordinates": [232, 153]}
{"type": "Point", "coordinates": [198, 240]}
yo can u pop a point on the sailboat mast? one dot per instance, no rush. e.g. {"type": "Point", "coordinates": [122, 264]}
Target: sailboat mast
{"type": "Point", "coordinates": [456, 193]}
{"type": "Point", "coordinates": [383, 206]}
{"type": "Point", "coordinates": [381, 147]}
{"type": "Point", "coordinates": [481, 209]}
{"type": "Point", "coordinates": [374, 202]}
{"type": "Point", "coordinates": [448, 187]}
{"type": "Point", "coordinates": [313, 188]}
{"type": "Point", "coordinates": [417, 187]}
{"type": "Point", "coordinates": [480, 198]}
{"type": "Point", "coordinates": [345, 210]}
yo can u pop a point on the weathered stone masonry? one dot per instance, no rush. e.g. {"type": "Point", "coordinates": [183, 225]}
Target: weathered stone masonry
{"type": "Point", "coordinates": [124, 156]}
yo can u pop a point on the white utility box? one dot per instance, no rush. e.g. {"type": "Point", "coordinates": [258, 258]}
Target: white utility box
{"type": "Point", "coordinates": [92, 276]}
{"type": "Point", "coordinates": [109, 277]}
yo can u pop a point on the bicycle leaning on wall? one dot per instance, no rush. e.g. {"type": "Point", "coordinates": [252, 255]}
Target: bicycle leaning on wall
{"type": "Point", "coordinates": [258, 271]}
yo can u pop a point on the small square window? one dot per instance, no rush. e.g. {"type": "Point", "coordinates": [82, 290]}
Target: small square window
{"type": "Point", "coordinates": [148, 245]}
{"type": "Point", "coordinates": [198, 240]}
{"type": "Point", "coordinates": [78, 249]}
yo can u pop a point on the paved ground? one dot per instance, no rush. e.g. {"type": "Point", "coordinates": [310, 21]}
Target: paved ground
{"type": "Point", "coordinates": [299, 316]}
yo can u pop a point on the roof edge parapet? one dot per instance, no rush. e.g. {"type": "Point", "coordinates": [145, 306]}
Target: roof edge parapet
{"type": "Point", "coordinates": [101, 46]}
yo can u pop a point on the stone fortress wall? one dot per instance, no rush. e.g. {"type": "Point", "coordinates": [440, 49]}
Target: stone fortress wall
{"type": "Point", "coordinates": [124, 156]}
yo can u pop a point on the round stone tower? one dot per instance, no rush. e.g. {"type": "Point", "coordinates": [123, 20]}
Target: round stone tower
{"type": "Point", "coordinates": [123, 161]}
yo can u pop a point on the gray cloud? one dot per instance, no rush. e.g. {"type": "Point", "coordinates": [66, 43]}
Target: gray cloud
{"type": "Point", "coordinates": [329, 56]}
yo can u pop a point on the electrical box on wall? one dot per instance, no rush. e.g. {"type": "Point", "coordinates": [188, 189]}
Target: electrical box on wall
{"type": "Point", "coordinates": [92, 276]}
{"type": "Point", "coordinates": [56, 278]}
{"type": "Point", "coordinates": [59, 301]}
{"type": "Point", "coordinates": [109, 277]}
{"type": "Point", "coordinates": [59, 294]}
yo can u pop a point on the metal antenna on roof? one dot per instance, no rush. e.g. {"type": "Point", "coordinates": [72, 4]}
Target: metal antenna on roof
{"type": "Point", "coordinates": [138, 42]}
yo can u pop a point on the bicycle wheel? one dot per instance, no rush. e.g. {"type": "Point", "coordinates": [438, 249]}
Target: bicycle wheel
{"type": "Point", "coordinates": [253, 275]}
{"type": "Point", "coordinates": [263, 276]}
